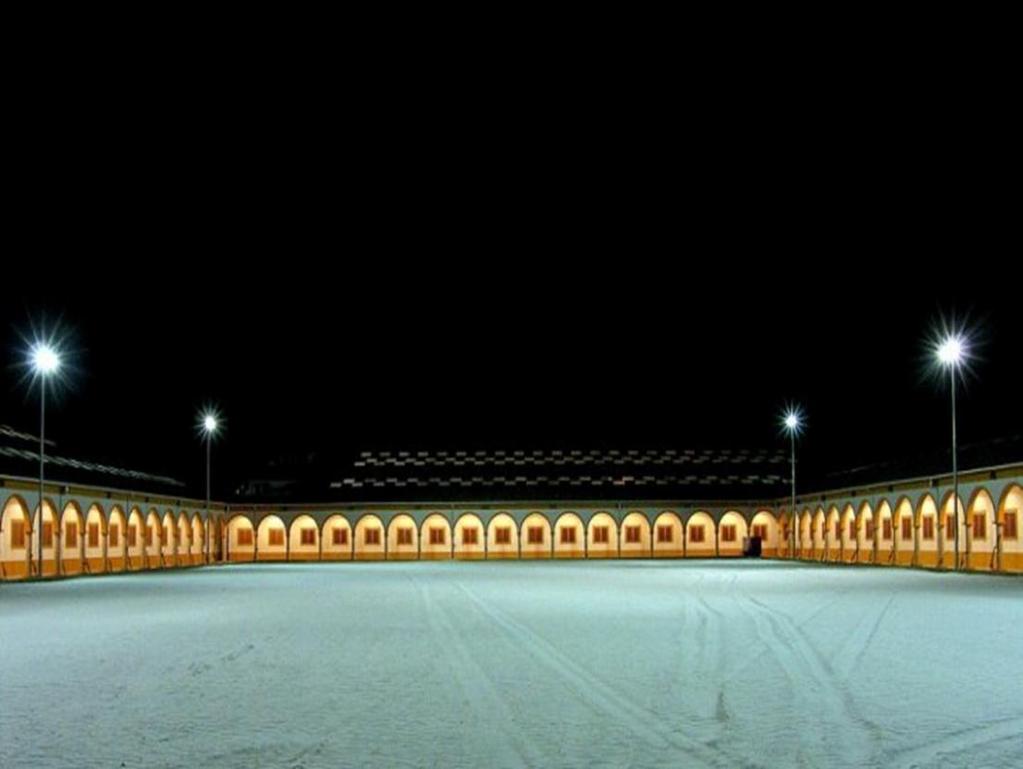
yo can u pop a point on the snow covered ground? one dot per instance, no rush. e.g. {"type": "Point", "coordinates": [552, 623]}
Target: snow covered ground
{"type": "Point", "coordinates": [572, 664]}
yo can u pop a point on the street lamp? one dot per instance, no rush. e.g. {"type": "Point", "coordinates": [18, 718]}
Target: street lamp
{"type": "Point", "coordinates": [793, 423]}
{"type": "Point", "coordinates": [950, 352]}
{"type": "Point", "coordinates": [45, 361]}
{"type": "Point", "coordinates": [209, 427]}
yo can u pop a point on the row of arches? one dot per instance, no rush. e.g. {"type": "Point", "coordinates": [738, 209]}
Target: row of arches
{"type": "Point", "coordinates": [908, 532]}
{"type": "Point", "coordinates": [96, 541]}
{"type": "Point", "coordinates": [469, 537]}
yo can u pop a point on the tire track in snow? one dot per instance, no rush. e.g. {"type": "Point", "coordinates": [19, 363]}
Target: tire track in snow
{"type": "Point", "coordinates": [477, 686]}
{"type": "Point", "coordinates": [642, 722]}
{"type": "Point", "coordinates": [957, 742]}
{"type": "Point", "coordinates": [811, 674]}
{"type": "Point", "coordinates": [859, 641]}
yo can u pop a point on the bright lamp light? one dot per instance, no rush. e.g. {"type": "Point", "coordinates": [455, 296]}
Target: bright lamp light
{"type": "Point", "coordinates": [951, 350]}
{"type": "Point", "coordinates": [44, 358]}
{"type": "Point", "coordinates": [209, 423]}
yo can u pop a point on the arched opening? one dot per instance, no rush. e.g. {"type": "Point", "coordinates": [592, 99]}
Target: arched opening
{"type": "Point", "coordinates": [765, 527]}
{"type": "Point", "coordinates": [117, 540]}
{"type": "Point", "coordinates": [847, 543]}
{"type": "Point", "coordinates": [69, 548]}
{"type": "Point", "coordinates": [241, 539]}
{"type": "Point", "coordinates": [470, 539]}
{"type": "Point", "coordinates": [667, 535]}
{"type": "Point", "coordinates": [928, 529]}
{"type": "Point", "coordinates": [183, 541]}
{"type": "Point", "coordinates": [502, 537]}
{"type": "Point", "coordinates": [1010, 518]}
{"type": "Point", "coordinates": [569, 536]}
{"type": "Point", "coordinates": [151, 545]}
{"type": "Point", "coordinates": [817, 534]}
{"type": "Point", "coordinates": [197, 552]}
{"type": "Point", "coordinates": [701, 535]}
{"type": "Point", "coordinates": [135, 540]}
{"type": "Point", "coordinates": [337, 538]}
{"type": "Point", "coordinates": [832, 535]}
{"type": "Point", "coordinates": [95, 540]}
{"type": "Point", "coordinates": [168, 536]}
{"type": "Point", "coordinates": [865, 532]}
{"type": "Point", "coordinates": [980, 530]}
{"type": "Point", "coordinates": [885, 532]}
{"type": "Point", "coordinates": [949, 517]}
{"type": "Point", "coordinates": [402, 538]}
{"type": "Point", "coordinates": [732, 533]}
{"type": "Point", "coordinates": [602, 536]}
{"type": "Point", "coordinates": [369, 539]}
{"type": "Point", "coordinates": [905, 536]}
{"type": "Point", "coordinates": [15, 538]}
{"type": "Point", "coordinates": [535, 536]}
{"type": "Point", "coordinates": [49, 532]}
{"type": "Point", "coordinates": [635, 536]}
{"type": "Point", "coordinates": [435, 538]}
{"type": "Point", "coordinates": [304, 539]}
{"type": "Point", "coordinates": [271, 539]}
{"type": "Point", "coordinates": [806, 535]}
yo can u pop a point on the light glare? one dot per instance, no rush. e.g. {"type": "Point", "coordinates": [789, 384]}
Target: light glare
{"type": "Point", "coordinates": [950, 351]}
{"type": "Point", "coordinates": [209, 423]}
{"type": "Point", "coordinates": [44, 358]}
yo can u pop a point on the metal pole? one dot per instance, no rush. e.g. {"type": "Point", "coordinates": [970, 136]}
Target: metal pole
{"type": "Point", "coordinates": [792, 517]}
{"type": "Point", "coordinates": [42, 453]}
{"type": "Point", "coordinates": [208, 441]}
{"type": "Point", "coordinates": [955, 465]}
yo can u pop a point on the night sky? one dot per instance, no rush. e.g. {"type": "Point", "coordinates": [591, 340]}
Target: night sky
{"type": "Point", "coordinates": [505, 301]}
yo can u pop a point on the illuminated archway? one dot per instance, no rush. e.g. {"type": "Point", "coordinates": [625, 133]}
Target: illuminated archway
{"type": "Point", "coordinates": [980, 530]}
{"type": "Point", "coordinates": [602, 536]}
{"type": "Point", "coordinates": [765, 526]}
{"type": "Point", "coordinates": [402, 538]}
{"type": "Point", "coordinates": [569, 536]}
{"type": "Point", "coordinates": [241, 539]}
{"type": "Point", "coordinates": [535, 536]}
{"type": "Point", "coordinates": [667, 534]}
{"type": "Point", "coordinates": [1010, 519]}
{"type": "Point", "coordinates": [470, 537]}
{"type": "Point", "coordinates": [72, 526]}
{"type": "Point", "coordinates": [502, 537]}
{"type": "Point", "coordinates": [731, 534]}
{"type": "Point", "coordinates": [634, 540]}
{"type": "Point", "coordinates": [435, 538]}
{"type": "Point", "coordinates": [15, 538]}
{"type": "Point", "coordinates": [929, 531]}
{"type": "Point", "coordinates": [369, 539]}
{"type": "Point", "coordinates": [701, 535]}
{"type": "Point", "coordinates": [304, 539]}
{"type": "Point", "coordinates": [271, 539]}
{"type": "Point", "coordinates": [337, 539]}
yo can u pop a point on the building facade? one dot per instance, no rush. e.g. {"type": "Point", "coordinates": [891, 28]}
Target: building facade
{"type": "Point", "coordinates": [91, 530]}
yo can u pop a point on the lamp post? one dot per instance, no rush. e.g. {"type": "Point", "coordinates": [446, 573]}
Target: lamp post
{"type": "Point", "coordinates": [792, 424]}
{"type": "Point", "coordinates": [45, 361]}
{"type": "Point", "coordinates": [209, 427]}
{"type": "Point", "coordinates": [950, 353]}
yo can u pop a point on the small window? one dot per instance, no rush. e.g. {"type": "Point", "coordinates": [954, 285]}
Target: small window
{"type": "Point", "coordinates": [438, 535]}
{"type": "Point", "coordinates": [696, 534]}
{"type": "Point", "coordinates": [405, 535]}
{"type": "Point", "coordinates": [568, 535]}
{"type": "Point", "coordinates": [71, 535]}
{"type": "Point", "coordinates": [950, 528]}
{"type": "Point", "coordinates": [838, 530]}
{"type": "Point", "coordinates": [600, 535]}
{"type": "Point", "coordinates": [760, 531]}
{"type": "Point", "coordinates": [1009, 526]}
{"type": "Point", "coordinates": [870, 530]}
{"type": "Point", "coordinates": [164, 535]}
{"type": "Point", "coordinates": [114, 534]}
{"type": "Point", "coordinates": [928, 527]}
{"type": "Point", "coordinates": [886, 529]}
{"type": "Point", "coordinates": [244, 536]}
{"type": "Point", "coordinates": [907, 527]}
{"type": "Point", "coordinates": [852, 530]}
{"type": "Point", "coordinates": [980, 526]}
{"type": "Point", "coordinates": [728, 532]}
{"type": "Point", "coordinates": [47, 535]}
{"type": "Point", "coordinates": [665, 533]}
{"type": "Point", "coordinates": [276, 537]}
{"type": "Point", "coordinates": [502, 535]}
{"type": "Point", "coordinates": [18, 535]}
{"type": "Point", "coordinates": [372, 536]}
{"type": "Point", "coordinates": [470, 535]}
{"type": "Point", "coordinates": [632, 534]}
{"type": "Point", "coordinates": [149, 536]}
{"type": "Point", "coordinates": [534, 535]}
{"type": "Point", "coordinates": [340, 535]}
{"type": "Point", "coordinates": [308, 536]}
{"type": "Point", "coordinates": [93, 535]}
{"type": "Point", "coordinates": [133, 536]}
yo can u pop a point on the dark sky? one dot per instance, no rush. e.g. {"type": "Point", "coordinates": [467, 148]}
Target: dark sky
{"type": "Point", "coordinates": [539, 281]}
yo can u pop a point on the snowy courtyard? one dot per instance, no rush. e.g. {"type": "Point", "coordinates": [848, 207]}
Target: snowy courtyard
{"type": "Point", "coordinates": [555, 664]}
